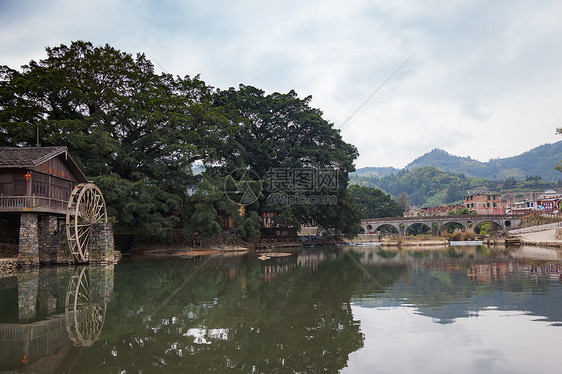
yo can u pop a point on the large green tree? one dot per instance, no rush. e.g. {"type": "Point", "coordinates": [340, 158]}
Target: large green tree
{"type": "Point", "coordinates": [138, 134]}
{"type": "Point", "coordinates": [374, 203]}
{"type": "Point", "coordinates": [279, 136]}
{"type": "Point", "coordinates": [135, 133]}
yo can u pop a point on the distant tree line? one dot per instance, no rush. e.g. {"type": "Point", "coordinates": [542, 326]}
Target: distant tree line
{"type": "Point", "coordinates": [429, 186]}
{"type": "Point", "coordinates": [374, 203]}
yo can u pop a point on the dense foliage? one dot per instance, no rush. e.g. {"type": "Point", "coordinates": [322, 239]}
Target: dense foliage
{"type": "Point", "coordinates": [280, 137]}
{"type": "Point", "coordinates": [423, 186]}
{"type": "Point", "coordinates": [429, 186]}
{"type": "Point", "coordinates": [139, 134]}
{"type": "Point", "coordinates": [374, 203]}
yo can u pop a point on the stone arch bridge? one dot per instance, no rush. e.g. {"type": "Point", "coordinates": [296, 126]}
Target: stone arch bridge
{"type": "Point", "coordinates": [436, 223]}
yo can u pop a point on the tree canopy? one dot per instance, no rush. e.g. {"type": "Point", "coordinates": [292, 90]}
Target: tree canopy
{"type": "Point", "coordinates": [138, 135]}
{"type": "Point", "coordinates": [374, 203]}
{"type": "Point", "coordinates": [280, 137]}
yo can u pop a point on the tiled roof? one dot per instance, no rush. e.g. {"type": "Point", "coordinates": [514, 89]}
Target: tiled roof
{"type": "Point", "coordinates": [28, 156]}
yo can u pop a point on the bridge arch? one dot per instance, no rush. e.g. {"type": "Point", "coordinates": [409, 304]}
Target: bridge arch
{"type": "Point", "coordinates": [495, 225]}
{"type": "Point", "coordinates": [417, 226]}
{"type": "Point", "coordinates": [451, 225]}
{"type": "Point", "coordinates": [498, 222]}
{"type": "Point", "coordinates": [387, 226]}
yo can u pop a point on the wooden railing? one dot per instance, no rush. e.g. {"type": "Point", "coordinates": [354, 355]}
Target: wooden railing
{"type": "Point", "coordinates": [32, 203]}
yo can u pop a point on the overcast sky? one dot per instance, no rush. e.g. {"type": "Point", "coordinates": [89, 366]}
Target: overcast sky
{"type": "Point", "coordinates": [484, 79]}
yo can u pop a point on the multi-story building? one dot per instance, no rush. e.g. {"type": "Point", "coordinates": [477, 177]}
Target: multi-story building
{"type": "Point", "coordinates": [485, 203]}
{"type": "Point", "coordinates": [549, 202]}
{"type": "Point", "coordinates": [441, 210]}
{"type": "Point", "coordinates": [523, 207]}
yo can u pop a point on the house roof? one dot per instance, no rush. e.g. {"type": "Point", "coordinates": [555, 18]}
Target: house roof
{"type": "Point", "coordinates": [22, 157]}
{"type": "Point", "coordinates": [28, 157]}
{"type": "Point", "coordinates": [482, 193]}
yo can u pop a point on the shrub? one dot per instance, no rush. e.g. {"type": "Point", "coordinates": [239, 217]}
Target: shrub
{"type": "Point", "coordinates": [469, 234]}
{"type": "Point", "coordinates": [457, 235]}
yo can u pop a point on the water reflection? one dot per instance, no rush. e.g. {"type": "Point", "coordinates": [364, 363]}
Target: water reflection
{"type": "Point", "coordinates": [86, 302]}
{"type": "Point", "coordinates": [454, 283]}
{"type": "Point", "coordinates": [311, 311]}
{"type": "Point", "coordinates": [57, 310]}
{"type": "Point", "coordinates": [265, 316]}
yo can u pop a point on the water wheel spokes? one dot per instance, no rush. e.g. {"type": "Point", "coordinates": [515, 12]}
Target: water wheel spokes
{"type": "Point", "coordinates": [86, 207]}
{"type": "Point", "coordinates": [84, 315]}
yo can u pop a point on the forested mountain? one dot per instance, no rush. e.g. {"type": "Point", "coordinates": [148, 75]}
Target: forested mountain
{"type": "Point", "coordinates": [429, 186]}
{"type": "Point", "coordinates": [426, 186]}
{"type": "Point", "coordinates": [539, 161]}
{"type": "Point", "coordinates": [377, 171]}
{"type": "Point", "coordinates": [444, 161]}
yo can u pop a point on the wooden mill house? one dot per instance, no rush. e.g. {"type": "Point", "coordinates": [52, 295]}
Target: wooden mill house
{"type": "Point", "coordinates": [36, 184]}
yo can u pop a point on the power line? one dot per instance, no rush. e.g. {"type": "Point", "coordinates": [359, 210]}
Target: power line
{"type": "Point", "coordinates": [377, 90]}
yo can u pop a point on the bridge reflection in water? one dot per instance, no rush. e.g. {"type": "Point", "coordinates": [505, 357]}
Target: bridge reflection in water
{"type": "Point", "coordinates": [46, 332]}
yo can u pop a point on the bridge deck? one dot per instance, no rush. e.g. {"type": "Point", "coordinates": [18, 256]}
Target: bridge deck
{"type": "Point", "coordinates": [440, 218]}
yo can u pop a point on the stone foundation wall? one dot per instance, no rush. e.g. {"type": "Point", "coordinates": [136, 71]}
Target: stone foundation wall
{"type": "Point", "coordinates": [48, 239]}
{"type": "Point", "coordinates": [8, 267]}
{"type": "Point", "coordinates": [42, 240]}
{"type": "Point", "coordinates": [102, 248]}
{"type": "Point", "coordinates": [28, 253]}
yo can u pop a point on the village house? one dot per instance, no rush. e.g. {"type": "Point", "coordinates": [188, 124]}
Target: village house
{"type": "Point", "coordinates": [546, 203]}
{"type": "Point", "coordinates": [549, 202]}
{"type": "Point", "coordinates": [485, 203]}
{"type": "Point", "coordinates": [441, 210]}
{"type": "Point", "coordinates": [37, 178]}
{"type": "Point", "coordinates": [36, 185]}
{"type": "Point", "coordinates": [523, 207]}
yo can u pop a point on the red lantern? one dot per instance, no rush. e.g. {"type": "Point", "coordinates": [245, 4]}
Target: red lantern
{"type": "Point", "coordinates": [27, 176]}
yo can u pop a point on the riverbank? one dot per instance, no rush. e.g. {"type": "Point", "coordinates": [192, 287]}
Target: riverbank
{"type": "Point", "coordinates": [414, 241]}
{"type": "Point", "coordinates": [192, 251]}
{"type": "Point", "coordinates": [544, 238]}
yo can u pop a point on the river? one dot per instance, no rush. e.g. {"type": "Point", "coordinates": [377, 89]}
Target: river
{"type": "Point", "coordinates": [358, 309]}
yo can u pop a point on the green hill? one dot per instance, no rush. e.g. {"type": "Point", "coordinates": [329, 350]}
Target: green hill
{"type": "Point", "coordinates": [429, 186]}
{"type": "Point", "coordinates": [539, 161]}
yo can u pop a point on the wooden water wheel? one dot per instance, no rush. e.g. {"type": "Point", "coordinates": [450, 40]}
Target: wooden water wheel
{"type": "Point", "coordinates": [86, 207]}
{"type": "Point", "coordinates": [84, 315]}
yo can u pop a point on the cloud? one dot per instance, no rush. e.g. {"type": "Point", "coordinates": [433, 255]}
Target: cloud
{"type": "Point", "coordinates": [484, 80]}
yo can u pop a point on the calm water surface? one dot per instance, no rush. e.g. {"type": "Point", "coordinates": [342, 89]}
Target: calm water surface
{"type": "Point", "coordinates": [329, 310]}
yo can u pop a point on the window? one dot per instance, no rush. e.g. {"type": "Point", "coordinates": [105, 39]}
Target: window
{"type": "Point", "coordinates": [494, 205]}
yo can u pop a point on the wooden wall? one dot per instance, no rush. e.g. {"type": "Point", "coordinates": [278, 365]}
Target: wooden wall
{"type": "Point", "coordinates": [52, 179]}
